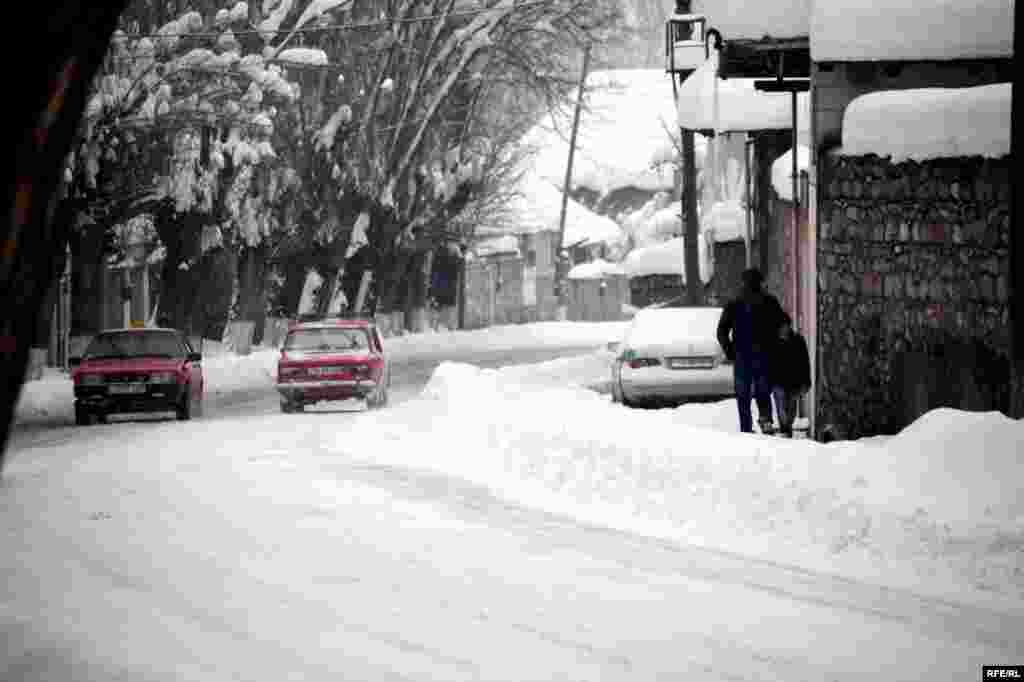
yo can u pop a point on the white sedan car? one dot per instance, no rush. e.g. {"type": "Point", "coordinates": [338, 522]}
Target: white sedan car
{"type": "Point", "coordinates": [671, 355]}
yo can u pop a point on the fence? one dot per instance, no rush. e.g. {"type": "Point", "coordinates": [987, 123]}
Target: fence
{"type": "Point", "coordinates": [598, 300]}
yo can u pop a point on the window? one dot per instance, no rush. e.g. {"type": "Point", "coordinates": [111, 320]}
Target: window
{"type": "Point", "coordinates": [136, 345]}
{"type": "Point", "coordinates": [531, 259]}
{"type": "Point", "coordinates": [327, 338]}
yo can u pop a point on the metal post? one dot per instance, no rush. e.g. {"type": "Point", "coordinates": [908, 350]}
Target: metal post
{"type": "Point", "coordinates": [797, 322]}
{"type": "Point", "coordinates": [748, 238]}
{"type": "Point", "coordinates": [364, 287]}
{"type": "Point", "coordinates": [567, 185]}
{"type": "Point", "coordinates": [691, 229]}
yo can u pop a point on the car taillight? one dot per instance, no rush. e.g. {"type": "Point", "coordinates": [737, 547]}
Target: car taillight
{"type": "Point", "coordinates": [284, 371]}
{"type": "Point", "coordinates": [639, 363]}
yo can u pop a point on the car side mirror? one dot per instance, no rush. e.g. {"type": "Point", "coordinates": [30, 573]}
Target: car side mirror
{"type": "Point", "coordinates": [195, 357]}
{"type": "Point", "coordinates": [74, 362]}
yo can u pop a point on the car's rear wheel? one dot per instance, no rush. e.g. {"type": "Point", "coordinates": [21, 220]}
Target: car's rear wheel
{"type": "Point", "coordinates": [377, 399]}
{"type": "Point", "coordinates": [289, 407]}
{"type": "Point", "coordinates": [82, 418]}
{"type": "Point", "coordinates": [184, 411]}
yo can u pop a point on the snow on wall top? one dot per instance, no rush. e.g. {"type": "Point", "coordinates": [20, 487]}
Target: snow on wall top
{"type": "Point", "coordinates": [864, 30]}
{"type": "Point", "coordinates": [538, 207]}
{"type": "Point", "coordinates": [782, 171]}
{"type": "Point", "coordinates": [624, 134]}
{"type": "Point", "coordinates": [929, 123]}
{"type": "Point", "coordinates": [740, 107]}
{"type": "Point", "coordinates": [498, 245]}
{"type": "Point", "coordinates": [597, 269]}
{"type": "Point", "coordinates": [754, 20]}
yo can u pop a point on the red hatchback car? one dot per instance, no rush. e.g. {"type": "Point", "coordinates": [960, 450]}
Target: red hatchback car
{"type": "Point", "coordinates": [332, 359]}
{"type": "Point", "coordinates": [137, 370]}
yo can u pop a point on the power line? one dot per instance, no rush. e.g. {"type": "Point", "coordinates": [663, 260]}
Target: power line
{"type": "Point", "coordinates": [526, 4]}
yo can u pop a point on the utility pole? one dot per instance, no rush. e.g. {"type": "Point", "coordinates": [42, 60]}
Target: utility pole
{"type": "Point", "coordinates": [1016, 288]}
{"type": "Point", "coordinates": [691, 234]}
{"type": "Point", "coordinates": [560, 266]}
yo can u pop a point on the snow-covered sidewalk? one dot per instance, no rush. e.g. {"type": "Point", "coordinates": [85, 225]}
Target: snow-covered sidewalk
{"type": "Point", "coordinates": [229, 375]}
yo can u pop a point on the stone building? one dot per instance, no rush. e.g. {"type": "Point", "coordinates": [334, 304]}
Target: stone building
{"type": "Point", "coordinates": [910, 201]}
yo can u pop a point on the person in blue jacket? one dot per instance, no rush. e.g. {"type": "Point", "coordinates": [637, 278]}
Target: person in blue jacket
{"type": "Point", "coordinates": [748, 332]}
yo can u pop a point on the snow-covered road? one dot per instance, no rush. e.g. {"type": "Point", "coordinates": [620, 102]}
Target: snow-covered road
{"type": "Point", "coordinates": [285, 560]}
{"type": "Point", "coordinates": [507, 525]}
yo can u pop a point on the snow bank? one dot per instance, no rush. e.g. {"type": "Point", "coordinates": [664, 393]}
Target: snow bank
{"type": "Point", "coordinates": [862, 30]}
{"type": "Point", "coordinates": [597, 269]}
{"type": "Point", "coordinates": [930, 123]}
{"type": "Point", "coordinates": [228, 375]}
{"type": "Point", "coordinates": [935, 509]}
{"type": "Point", "coordinates": [737, 19]}
{"type": "Point", "coordinates": [740, 107]}
{"type": "Point", "coordinates": [782, 171]}
{"type": "Point", "coordinates": [624, 135]}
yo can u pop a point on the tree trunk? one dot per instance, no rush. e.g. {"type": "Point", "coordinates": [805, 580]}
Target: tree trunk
{"type": "Point", "coordinates": [252, 277]}
{"type": "Point", "coordinates": [87, 281]}
{"type": "Point", "coordinates": [395, 278]}
{"type": "Point", "coordinates": [418, 314]}
{"type": "Point", "coordinates": [291, 291]}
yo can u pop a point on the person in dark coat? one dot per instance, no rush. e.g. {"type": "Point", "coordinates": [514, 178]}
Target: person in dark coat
{"type": "Point", "coordinates": [747, 331]}
{"type": "Point", "coordinates": [789, 371]}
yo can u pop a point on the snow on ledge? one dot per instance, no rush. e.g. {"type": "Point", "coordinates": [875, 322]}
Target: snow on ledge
{"type": "Point", "coordinates": [929, 123]}
{"type": "Point", "coordinates": [597, 269]}
{"type": "Point", "coordinates": [744, 19]}
{"type": "Point", "coordinates": [864, 30]}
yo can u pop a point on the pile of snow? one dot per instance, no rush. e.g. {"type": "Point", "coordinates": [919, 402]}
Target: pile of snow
{"type": "Point", "coordinates": [625, 134]}
{"type": "Point", "coordinates": [741, 19]}
{"type": "Point", "coordinates": [912, 511]}
{"type": "Point", "coordinates": [668, 326]}
{"type": "Point", "coordinates": [782, 171]}
{"type": "Point", "coordinates": [707, 102]}
{"type": "Point", "coordinates": [537, 207]}
{"type": "Point", "coordinates": [930, 123]}
{"type": "Point", "coordinates": [597, 269]}
{"type": "Point", "coordinates": [862, 30]}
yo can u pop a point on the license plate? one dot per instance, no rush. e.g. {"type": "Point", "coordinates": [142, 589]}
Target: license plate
{"type": "Point", "coordinates": [323, 371]}
{"type": "Point", "coordinates": [691, 363]}
{"type": "Point", "coordinates": [127, 388]}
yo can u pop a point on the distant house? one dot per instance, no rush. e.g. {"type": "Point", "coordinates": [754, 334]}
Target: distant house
{"type": "Point", "coordinates": [910, 184]}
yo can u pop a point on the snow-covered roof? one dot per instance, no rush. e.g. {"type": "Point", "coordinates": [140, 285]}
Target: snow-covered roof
{"type": "Point", "coordinates": [507, 244]}
{"type": "Point", "coordinates": [624, 139]}
{"type": "Point", "coordinates": [597, 269]}
{"type": "Point", "coordinates": [537, 208]}
{"type": "Point", "coordinates": [653, 225]}
{"type": "Point", "coordinates": [929, 123]}
{"type": "Point", "coordinates": [782, 171]}
{"type": "Point", "coordinates": [864, 30]}
{"type": "Point", "coordinates": [743, 19]}
{"type": "Point", "coordinates": [740, 107]}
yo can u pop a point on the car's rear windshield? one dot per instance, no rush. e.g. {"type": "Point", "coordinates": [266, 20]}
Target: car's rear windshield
{"type": "Point", "coordinates": [327, 339]}
{"type": "Point", "coordinates": [135, 345]}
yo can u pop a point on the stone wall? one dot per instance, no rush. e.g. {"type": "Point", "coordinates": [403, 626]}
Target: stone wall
{"type": "Point", "coordinates": [913, 277]}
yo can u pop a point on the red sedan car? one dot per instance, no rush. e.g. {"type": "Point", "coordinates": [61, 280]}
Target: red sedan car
{"type": "Point", "coordinates": [332, 359]}
{"type": "Point", "coordinates": [137, 370]}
